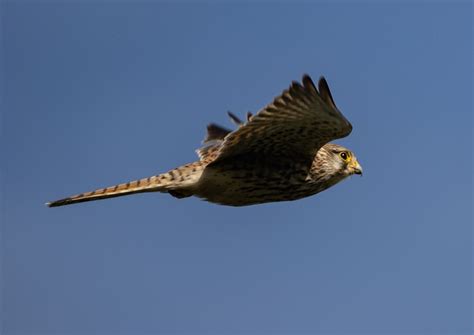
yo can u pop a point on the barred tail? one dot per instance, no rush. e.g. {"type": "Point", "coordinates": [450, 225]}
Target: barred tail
{"type": "Point", "coordinates": [175, 182]}
{"type": "Point", "coordinates": [150, 184]}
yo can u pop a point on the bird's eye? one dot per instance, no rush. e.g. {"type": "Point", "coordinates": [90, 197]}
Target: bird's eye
{"type": "Point", "coordinates": [344, 155]}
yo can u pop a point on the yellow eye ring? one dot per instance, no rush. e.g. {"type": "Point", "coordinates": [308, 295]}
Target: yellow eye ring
{"type": "Point", "coordinates": [344, 155]}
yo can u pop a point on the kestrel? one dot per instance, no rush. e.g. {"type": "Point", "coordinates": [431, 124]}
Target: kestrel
{"type": "Point", "coordinates": [281, 153]}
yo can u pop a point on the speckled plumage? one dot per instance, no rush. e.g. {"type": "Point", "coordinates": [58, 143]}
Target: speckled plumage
{"type": "Point", "coordinates": [281, 153]}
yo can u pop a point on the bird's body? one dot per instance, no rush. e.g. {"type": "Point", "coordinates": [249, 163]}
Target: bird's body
{"type": "Point", "coordinates": [254, 180]}
{"type": "Point", "coordinates": [279, 154]}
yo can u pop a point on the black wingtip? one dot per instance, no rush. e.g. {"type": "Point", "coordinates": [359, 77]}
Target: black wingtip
{"type": "Point", "coordinates": [322, 82]}
{"type": "Point", "coordinates": [308, 83]}
{"type": "Point", "coordinates": [234, 118]}
{"type": "Point", "coordinates": [325, 92]}
{"type": "Point", "coordinates": [215, 132]}
{"type": "Point", "coordinates": [307, 80]}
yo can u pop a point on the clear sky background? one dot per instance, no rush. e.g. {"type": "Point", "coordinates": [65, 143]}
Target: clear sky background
{"type": "Point", "coordinates": [98, 93]}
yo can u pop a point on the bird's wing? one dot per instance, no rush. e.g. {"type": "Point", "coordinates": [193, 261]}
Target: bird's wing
{"type": "Point", "coordinates": [294, 126]}
{"type": "Point", "coordinates": [215, 134]}
{"type": "Point", "coordinates": [208, 152]}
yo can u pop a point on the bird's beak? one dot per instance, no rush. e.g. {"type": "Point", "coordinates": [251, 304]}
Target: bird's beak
{"type": "Point", "coordinates": [356, 168]}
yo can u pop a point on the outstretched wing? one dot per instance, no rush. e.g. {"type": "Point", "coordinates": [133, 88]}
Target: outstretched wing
{"type": "Point", "coordinates": [295, 125]}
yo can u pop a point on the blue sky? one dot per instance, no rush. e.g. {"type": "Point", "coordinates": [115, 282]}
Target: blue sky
{"type": "Point", "coordinates": [98, 93]}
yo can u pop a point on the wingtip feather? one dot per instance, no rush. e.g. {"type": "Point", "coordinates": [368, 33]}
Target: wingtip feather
{"type": "Point", "coordinates": [236, 120]}
{"type": "Point", "coordinates": [325, 92]}
{"type": "Point", "coordinates": [322, 83]}
{"type": "Point", "coordinates": [307, 81]}
{"type": "Point", "coordinates": [215, 132]}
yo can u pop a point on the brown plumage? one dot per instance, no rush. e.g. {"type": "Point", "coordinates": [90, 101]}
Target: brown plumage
{"type": "Point", "coordinates": [281, 153]}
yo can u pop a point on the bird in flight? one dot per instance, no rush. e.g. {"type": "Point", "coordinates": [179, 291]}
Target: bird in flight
{"type": "Point", "coordinates": [281, 153]}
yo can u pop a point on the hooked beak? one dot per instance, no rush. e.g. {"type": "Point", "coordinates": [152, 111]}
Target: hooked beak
{"type": "Point", "coordinates": [356, 168]}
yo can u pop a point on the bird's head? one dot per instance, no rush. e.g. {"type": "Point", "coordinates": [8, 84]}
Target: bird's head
{"type": "Point", "coordinates": [339, 160]}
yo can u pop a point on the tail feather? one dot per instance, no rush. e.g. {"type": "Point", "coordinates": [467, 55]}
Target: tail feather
{"type": "Point", "coordinates": [174, 182]}
{"type": "Point", "coordinates": [150, 184]}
